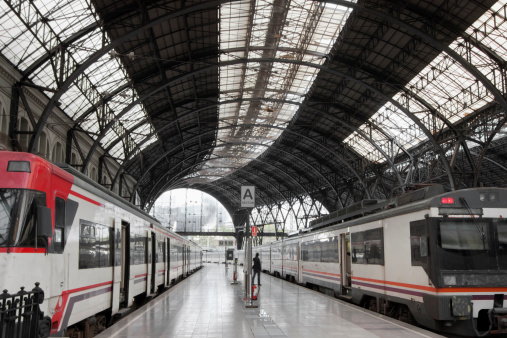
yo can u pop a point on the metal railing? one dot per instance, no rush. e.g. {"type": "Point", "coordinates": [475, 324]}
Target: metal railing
{"type": "Point", "coordinates": [20, 314]}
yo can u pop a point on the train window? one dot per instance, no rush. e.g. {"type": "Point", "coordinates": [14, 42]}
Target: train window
{"type": "Point", "coordinates": [103, 246]}
{"type": "Point", "coordinates": [160, 258]}
{"type": "Point", "coordinates": [288, 252]}
{"type": "Point", "coordinates": [138, 249]}
{"type": "Point", "coordinates": [458, 235]}
{"type": "Point", "coordinates": [95, 245]}
{"type": "Point", "coordinates": [18, 217]}
{"type": "Point", "coordinates": [374, 246]}
{"type": "Point", "coordinates": [502, 245]}
{"type": "Point", "coordinates": [330, 250]}
{"type": "Point", "coordinates": [117, 248]}
{"type": "Point", "coordinates": [368, 247]}
{"type": "Point", "coordinates": [58, 243]}
{"type": "Point", "coordinates": [315, 252]}
{"type": "Point", "coordinates": [304, 249]}
{"type": "Point", "coordinates": [358, 248]}
{"type": "Point", "coordinates": [418, 243]}
{"type": "Point", "coordinates": [87, 253]}
{"type": "Point", "coordinates": [277, 252]}
{"type": "Point", "coordinates": [147, 256]}
{"type": "Point", "coordinates": [466, 244]}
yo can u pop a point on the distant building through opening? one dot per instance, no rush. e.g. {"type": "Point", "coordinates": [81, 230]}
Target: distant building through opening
{"type": "Point", "coordinates": [189, 210]}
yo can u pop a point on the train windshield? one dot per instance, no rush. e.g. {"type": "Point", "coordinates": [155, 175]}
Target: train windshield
{"type": "Point", "coordinates": [18, 216]}
{"type": "Point", "coordinates": [464, 236]}
{"type": "Point", "coordinates": [468, 244]}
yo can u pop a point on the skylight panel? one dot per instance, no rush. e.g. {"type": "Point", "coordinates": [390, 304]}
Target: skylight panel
{"type": "Point", "coordinates": [275, 36]}
{"type": "Point", "coordinates": [19, 45]}
{"type": "Point", "coordinates": [48, 24]}
{"type": "Point", "coordinates": [117, 151]}
{"type": "Point", "coordinates": [445, 85]}
{"type": "Point", "coordinates": [394, 124]}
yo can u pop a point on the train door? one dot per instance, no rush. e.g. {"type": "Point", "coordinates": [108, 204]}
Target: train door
{"type": "Point", "coordinates": [117, 266]}
{"type": "Point", "coordinates": [125, 264]}
{"type": "Point", "coordinates": [345, 265]}
{"type": "Point", "coordinates": [298, 259]}
{"type": "Point", "coordinates": [154, 253]}
{"type": "Point", "coordinates": [168, 262]}
{"type": "Point", "coordinates": [189, 259]}
{"type": "Point", "coordinates": [185, 260]}
{"type": "Point", "coordinates": [148, 261]}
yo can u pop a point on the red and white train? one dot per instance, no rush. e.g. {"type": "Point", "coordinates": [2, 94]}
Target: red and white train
{"type": "Point", "coordinates": [91, 251]}
{"type": "Point", "coordinates": [432, 258]}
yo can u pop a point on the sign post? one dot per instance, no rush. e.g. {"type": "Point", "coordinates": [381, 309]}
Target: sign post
{"type": "Point", "coordinates": [248, 202]}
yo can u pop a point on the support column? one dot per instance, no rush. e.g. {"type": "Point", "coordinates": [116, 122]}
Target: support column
{"type": "Point", "coordinates": [13, 118]}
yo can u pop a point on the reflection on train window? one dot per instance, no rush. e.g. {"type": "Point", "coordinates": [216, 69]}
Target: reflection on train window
{"type": "Point", "coordinates": [418, 243]}
{"type": "Point", "coordinates": [137, 249]}
{"type": "Point", "coordinates": [147, 256]}
{"type": "Point", "coordinates": [459, 235]}
{"type": "Point", "coordinates": [467, 244]}
{"type": "Point", "coordinates": [290, 252]}
{"type": "Point", "coordinates": [374, 246]}
{"type": "Point", "coordinates": [502, 245]}
{"type": "Point", "coordinates": [160, 257]}
{"type": "Point", "coordinates": [94, 246]}
{"type": "Point", "coordinates": [368, 247]}
{"type": "Point", "coordinates": [59, 225]}
{"type": "Point", "coordinates": [58, 239]}
{"type": "Point", "coordinates": [358, 247]}
{"type": "Point", "coordinates": [18, 217]}
{"type": "Point", "coordinates": [276, 252]}
{"type": "Point", "coordinates": [323, 251]}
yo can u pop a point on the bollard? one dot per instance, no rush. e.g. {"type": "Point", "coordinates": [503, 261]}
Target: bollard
{"type": "Point", "coordinates": [235, 272]}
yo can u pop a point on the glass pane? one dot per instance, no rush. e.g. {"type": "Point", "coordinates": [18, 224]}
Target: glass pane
{"type": "Point", "coordinates": [464, 236]}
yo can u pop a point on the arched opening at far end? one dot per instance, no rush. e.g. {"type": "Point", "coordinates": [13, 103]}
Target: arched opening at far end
{"type": "Point", "coordinates": [194, 213]}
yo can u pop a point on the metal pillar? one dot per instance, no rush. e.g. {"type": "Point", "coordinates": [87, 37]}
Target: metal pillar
{"type": "Point", "coordinates": [235, 273]}
{"type": "Point", "coordinates": [248, 274]}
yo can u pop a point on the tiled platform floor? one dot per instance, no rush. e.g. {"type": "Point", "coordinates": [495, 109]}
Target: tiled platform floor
{"type": "Point", "coordinates": [207, 305]}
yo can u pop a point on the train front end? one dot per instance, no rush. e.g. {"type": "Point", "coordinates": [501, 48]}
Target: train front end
{"type": "Point", "coordinates": [28, 187]}
{"type": "Point", "coordinates": [462, 245]}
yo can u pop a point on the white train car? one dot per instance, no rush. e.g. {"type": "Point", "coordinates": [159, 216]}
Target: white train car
{"type": "Point", "coordinates": [91, 251]}
{"type": "Point", "coordinates": [432, 258]}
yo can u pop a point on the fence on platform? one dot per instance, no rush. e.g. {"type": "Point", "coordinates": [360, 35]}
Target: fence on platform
{"type": "Point", "coordinates": [20, 314]}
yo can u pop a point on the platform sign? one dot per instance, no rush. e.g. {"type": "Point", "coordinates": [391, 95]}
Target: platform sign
{"type": "Point", "coordinates": [254, 231]}
{"type": "Point", "coordinates": [247, 196]}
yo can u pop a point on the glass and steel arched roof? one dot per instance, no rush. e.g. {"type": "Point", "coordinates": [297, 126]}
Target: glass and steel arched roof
{"type": "Point", "coordinates": [335, 100]}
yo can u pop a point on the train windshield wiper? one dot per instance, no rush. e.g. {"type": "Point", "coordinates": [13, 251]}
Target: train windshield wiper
{"type": "Point", "coordinates": [479, 227]}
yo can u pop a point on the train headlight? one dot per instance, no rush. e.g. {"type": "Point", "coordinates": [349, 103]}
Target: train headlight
{"type": "Point", "coordinates": [449, 279]}
{"type": "Point", "coordinates": [488, 197]}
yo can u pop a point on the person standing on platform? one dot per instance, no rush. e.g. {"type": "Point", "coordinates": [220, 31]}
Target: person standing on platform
{"type": "Point", "coordinates": [256, 269]}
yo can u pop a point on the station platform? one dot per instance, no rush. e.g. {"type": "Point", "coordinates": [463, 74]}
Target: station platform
{"type": "Point", "coordinates": [207, 305]}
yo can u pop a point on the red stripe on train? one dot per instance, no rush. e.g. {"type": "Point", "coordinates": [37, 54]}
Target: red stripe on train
{"type": "Point", "coordinates": [87, 199]}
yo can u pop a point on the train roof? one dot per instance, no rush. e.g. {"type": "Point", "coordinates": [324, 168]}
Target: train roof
{"type": "Point", "coordinates": [85, 182]}
{"type": "Point", "coordinates": [430, 196]}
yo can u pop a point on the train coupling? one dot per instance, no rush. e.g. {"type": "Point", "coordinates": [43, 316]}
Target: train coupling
{"type": "Point", "coordinates": [499, 317]}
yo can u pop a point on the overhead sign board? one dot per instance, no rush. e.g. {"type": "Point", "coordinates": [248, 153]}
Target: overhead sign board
{"type": "Point", "coordinates": [247, 196]}
{"type": "Point", "coordinates": [254, 231]}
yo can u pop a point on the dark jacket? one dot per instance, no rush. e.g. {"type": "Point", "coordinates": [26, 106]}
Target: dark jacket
{"type": "Point", "coordinates": [257, 264]}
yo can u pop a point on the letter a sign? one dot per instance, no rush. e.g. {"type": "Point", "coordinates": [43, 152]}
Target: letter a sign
{"type": "Point", "coordinates": [247, 196]}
